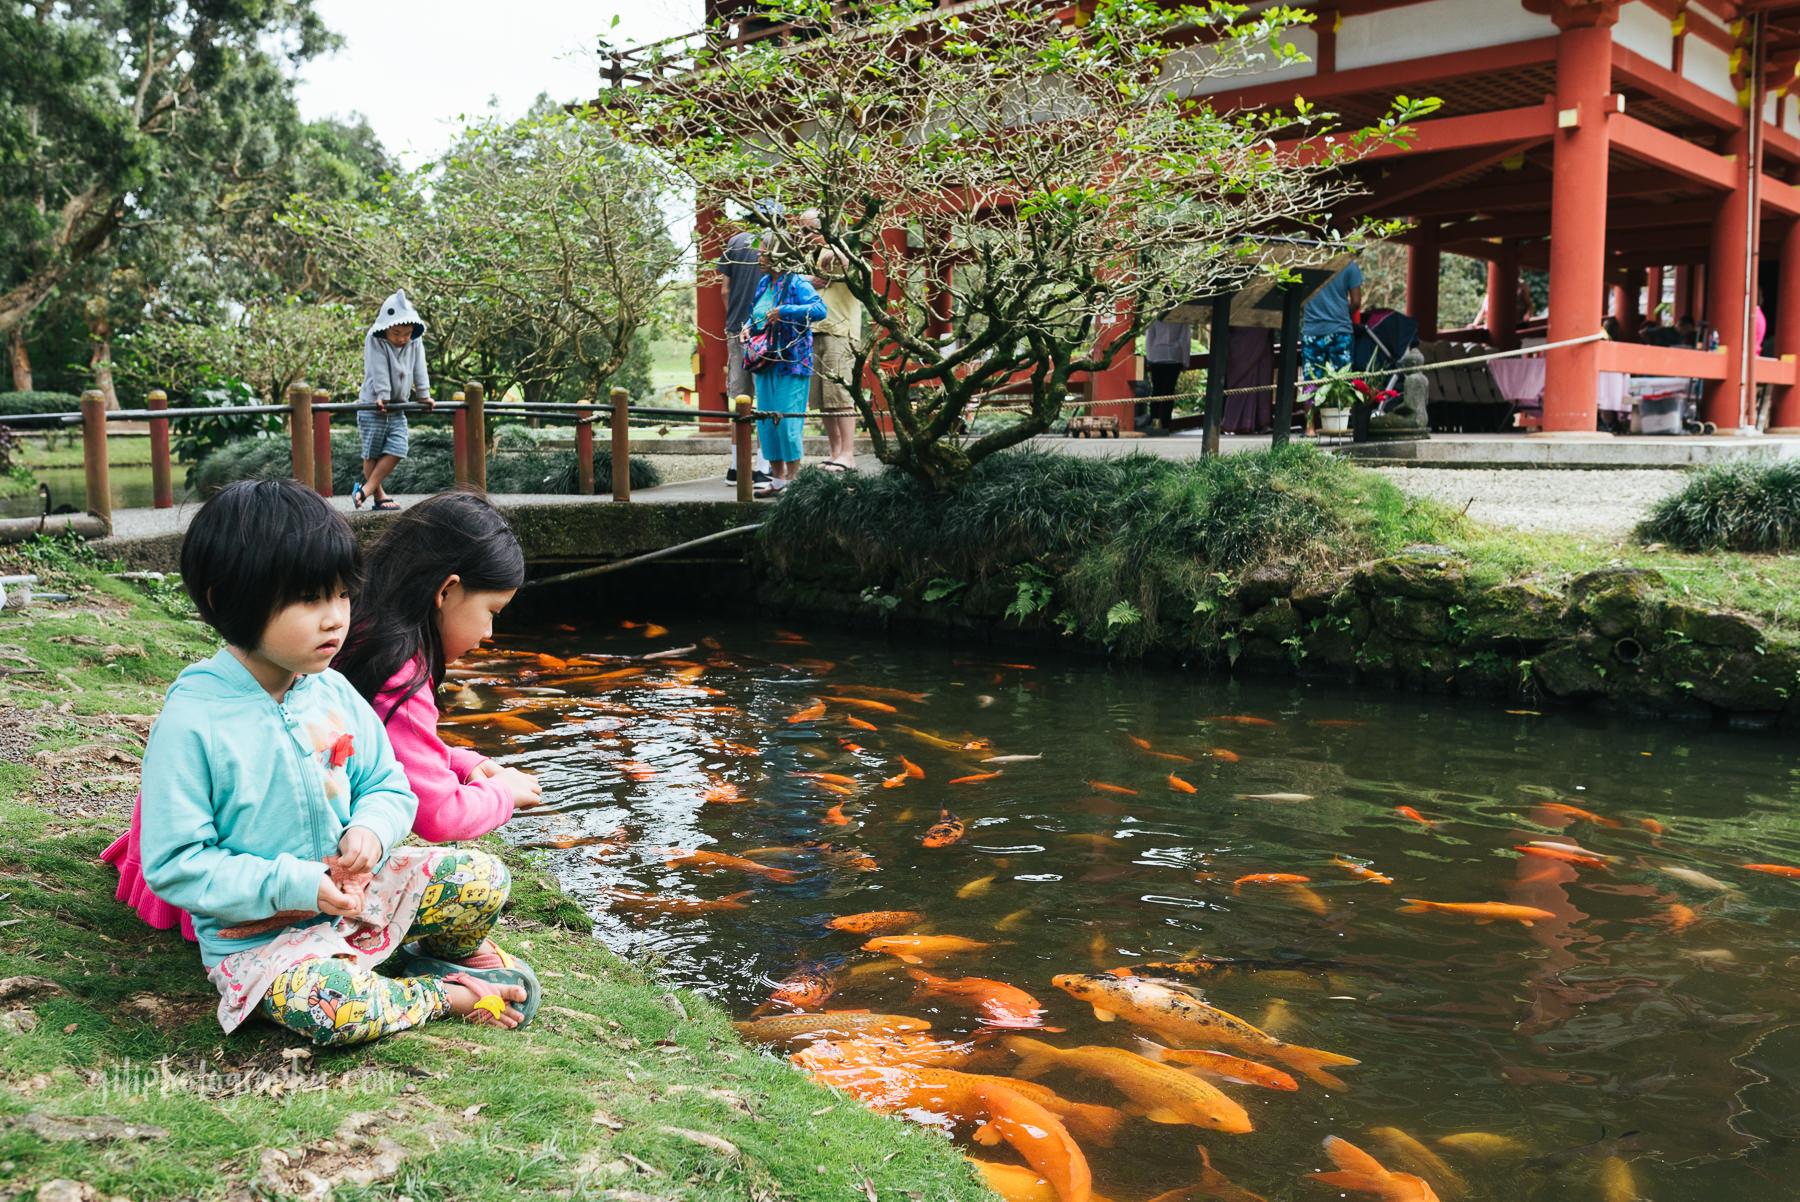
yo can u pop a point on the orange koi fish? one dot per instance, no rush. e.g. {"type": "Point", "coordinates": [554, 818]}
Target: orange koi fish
{"type": "Point", "coordinates": [722, 793]}
{"type": "Point", "coordinates": [856, 723]}
{"type": "Point", "coordinates": [833, 853]}
{"type": "Point", "coordinates": [1362, 871]}
{"type": "Point", "coordinates": [831, 1024]}
{"type": "Point", "coordinates": [924, 949]}
{"type": "Point", "coordinates": [840, 790]}
{"type": "Point", "coordinates": [1179, 785]}
{"type": "Point", "coordinates": [911, 769]}
{"type": "Point", "coordinates": [1334, 723]}
{"type": "Point", "coordinates": [1213, 1184]}
{"type": "Point", "coordinates": [945, 831]}
{"type": "Point", "coordinates": [1268, 878]}
{"type": "Point", "coordinates": [811, 713]}
{"type": "Point", "coordinates": [625, 899]}
{"type": "Point", "coordinates": [806, 988]}
{"type": "Point", "coordinates": [709, 861]}
{"type": "Point", "coordinates": [1141, 744]}
{"type": "Point", "coordinates": [630, 625]}
{"type": "Point", "coordinates": [835, 816]}
{"type": "Point", "coordinates": [966, 780]}
{"type": "Point", "coordinates": [1566, 855]}
{"type": "Point", "coordinates": [847, 745]}
{"type": "Point", "coordinates": [653, 631]}
{"type": "Point", "coordinates": [870, 690]}
{"type": "Point", "coordinates": [874, 922]}
{"type": "Point", "coordinates": [1240, 719]}
{"type": "Point", "coordinates": [997, 1003]}
{"type": "Point", "coordinates": [551, 663]}
{"type": "Point", "coordinates": [1218, 1064]}
{"type": "Point", "coordinates": [1786, 870]}
{"type": "Point", "coordinates": [725, 748]}
{"type": "Point", "coordinates": [1569, 811]}
{"type": "Point", "coordinates": [505, 722]}
{"type": "Point", "coordinates": [1482, 912]}
{"type": "Point", "coordinates": [999, 1112]}
{"type": "Point", "coordinates": [455, 740]}
{"type": "Point", "coordinates": [1361, 1173]}
{"type": "Point", "coordinates": [900, 1049]}
{"type": "Point", "coordinates": [1415, 1157]}
{"type": "Point", "coordinates": [1177, 1013]}
{"type": "Point", "coordinates": [788, 636]}
{"type": "Point", "coordinates": [1680, 918]}
{"type": "Point", "coordinates": [863, 703]}
{"type": "Point", "coordinates": [947, 744]}
{"type": "Point", "coordinates": [636, 770]}
{"type": "Point", "coordinates": [1170, 755]}
{"type": "Point", "coordinates": [1651, 825]}
{"type": "Point", "coordinates": [1158, 1092]}
{"type": "Point", "coordinates": [1103, 787]}
{"type": "Point", "coordinates": [1221, 753]}
{"type": "Point", "coordinates": [1015, 1182]}
{"type": "Point", "coordinates": [1409, 812]}
{"type": "Point", "coordinates": [897, 780]}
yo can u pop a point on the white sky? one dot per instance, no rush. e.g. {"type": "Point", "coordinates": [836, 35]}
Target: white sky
{"type": "Point", "coordinates": [416, 73]}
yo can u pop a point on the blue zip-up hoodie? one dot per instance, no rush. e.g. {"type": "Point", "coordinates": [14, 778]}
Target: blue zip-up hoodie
{"type": "Point", "coordinates": [244, 797]}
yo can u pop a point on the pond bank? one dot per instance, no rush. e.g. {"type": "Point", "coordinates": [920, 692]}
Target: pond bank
{"type": "Point", "coordinates": [119, 1083]}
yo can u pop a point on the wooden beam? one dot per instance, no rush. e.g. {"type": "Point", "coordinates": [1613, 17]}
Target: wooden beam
{"type": "Point", "coordinates": [1683, 94]}
{"type": "Point", "coordinates": [1510, 128]}
{"type": "Point", "coordinates": [1618, 217]}
{"type": "Point", "coordinates": [1535, 194]}
{"type": "Point", "coordinates": [1642, 360]}
{"type": "Point", "coordinates": [1387, 192]}
{"type": "Point", "coordinates": [1652, 145]}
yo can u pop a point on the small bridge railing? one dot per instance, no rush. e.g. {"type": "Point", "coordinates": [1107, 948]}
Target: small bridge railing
{"type": "Point", "coordinates": [308, 418]}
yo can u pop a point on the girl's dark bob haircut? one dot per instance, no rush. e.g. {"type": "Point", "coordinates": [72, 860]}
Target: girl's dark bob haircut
{"type": "Point", "coordinates": [259, 545]}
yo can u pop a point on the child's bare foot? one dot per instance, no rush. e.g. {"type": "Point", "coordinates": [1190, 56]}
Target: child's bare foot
{"type": "Point", "coordinates": [487, 1008]}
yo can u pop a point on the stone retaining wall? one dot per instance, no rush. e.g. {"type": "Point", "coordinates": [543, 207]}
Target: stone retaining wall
{"type": "Point", "coordinates": [1418, 621]}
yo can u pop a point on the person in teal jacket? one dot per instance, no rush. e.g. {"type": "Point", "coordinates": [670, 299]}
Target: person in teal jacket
{"type": "Point", "coordinates": [272, 802]}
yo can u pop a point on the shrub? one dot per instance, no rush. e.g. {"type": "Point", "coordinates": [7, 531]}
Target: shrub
{"type": "Point", "coordinates": [1737, 507]}
{"type": "Point", "coordinates": [516, 464]}
{"type": "Point", "coordinates": [12, 404]}
{"type": "Point", "coordinates": [1129, 546]}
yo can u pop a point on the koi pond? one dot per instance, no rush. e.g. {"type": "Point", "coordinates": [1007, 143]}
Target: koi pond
{"type": "Point", "coordinates": [1594, 997]}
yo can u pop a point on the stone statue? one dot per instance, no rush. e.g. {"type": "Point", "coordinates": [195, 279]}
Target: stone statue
{"type": "Point", "coordinates": [1407, 413]}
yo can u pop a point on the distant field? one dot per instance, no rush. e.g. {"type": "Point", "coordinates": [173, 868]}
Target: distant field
{"type": "Point", "coordinates": [671, 364]}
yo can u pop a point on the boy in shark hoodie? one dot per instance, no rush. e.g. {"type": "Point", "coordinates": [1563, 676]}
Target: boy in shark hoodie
{"type": "Point", "coordinates": [393, 373]}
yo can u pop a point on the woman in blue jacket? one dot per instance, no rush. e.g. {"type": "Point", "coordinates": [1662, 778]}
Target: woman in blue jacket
{"type": "Point", "coordinates": [786, 306]}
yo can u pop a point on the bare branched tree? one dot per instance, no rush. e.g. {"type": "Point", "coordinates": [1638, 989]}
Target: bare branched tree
{"type": "Point", "coordinates": [1012, 196]}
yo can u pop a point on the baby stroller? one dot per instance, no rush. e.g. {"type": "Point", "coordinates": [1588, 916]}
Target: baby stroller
{"type": "Point", "coordinates": [1383, 336]}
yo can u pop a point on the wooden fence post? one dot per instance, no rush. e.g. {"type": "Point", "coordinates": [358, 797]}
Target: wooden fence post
{"type": "Point", "coordinates": [93, 456]}
{"type": "Point", "coordinates": [162, 484]}
{"type": "Point", "coordinates": [299, 397]}
{"type": "Point", "coordinates": [621, 445]}
{"type": "Point", "coordinates": [321, 443]}
{"type": "Point", "coordinates": [741, 430]}
{"type": "Point", "coordinates": [584, 450]}
{"type": "Point", "coordinates": [459, 441]}
{"type": "Point", "coordinates": [474, 397]}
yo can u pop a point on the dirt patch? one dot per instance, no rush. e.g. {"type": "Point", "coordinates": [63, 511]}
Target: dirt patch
{"type": "Point", "coordinates": [359, 1152]}
{"type": "Point", "coordinates": [97, 777]}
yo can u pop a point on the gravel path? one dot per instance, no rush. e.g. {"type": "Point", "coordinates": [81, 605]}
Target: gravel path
{"type": "Point", "coordinates": [1566, 501]}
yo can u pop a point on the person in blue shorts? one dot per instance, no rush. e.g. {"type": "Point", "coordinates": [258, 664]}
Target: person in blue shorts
{"type": "Point", "coordinates": [393, 373]}
{"type": "Point", "coordinates": [1325, 326]}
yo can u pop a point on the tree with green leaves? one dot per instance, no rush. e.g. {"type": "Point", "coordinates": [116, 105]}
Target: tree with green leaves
{"type": "Point", "coordinates": [536, 250]}
{"type": "Point", "coordinates": [121, 115]}
{"type": "Point", "coordinates": [1011, 196]}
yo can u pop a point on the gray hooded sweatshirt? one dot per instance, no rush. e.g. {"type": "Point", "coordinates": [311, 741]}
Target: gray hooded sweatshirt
{"type": "Point", "coordinates": [395, 373]}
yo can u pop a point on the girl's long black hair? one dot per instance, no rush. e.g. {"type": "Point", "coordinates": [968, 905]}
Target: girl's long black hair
{"type": "Point", "coordinates": [393, 619]}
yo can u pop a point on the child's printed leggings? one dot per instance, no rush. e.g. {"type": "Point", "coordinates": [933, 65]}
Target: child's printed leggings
{"type": "Point", "coordinates": [329, 1001]}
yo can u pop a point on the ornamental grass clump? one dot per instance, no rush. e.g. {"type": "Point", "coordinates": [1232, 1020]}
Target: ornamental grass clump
{"type": "Point", "coordinates": [1737, 507]}
{"type": "Point", "coordinates": [1131, 549]}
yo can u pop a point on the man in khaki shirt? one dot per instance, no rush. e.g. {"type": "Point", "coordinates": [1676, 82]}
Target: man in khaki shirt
{"type": "Point", "coordinates": [834, 358]}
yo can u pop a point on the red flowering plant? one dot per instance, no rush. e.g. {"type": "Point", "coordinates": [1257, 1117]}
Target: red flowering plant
{"type": "Point", "coordinates": [1340, 393]}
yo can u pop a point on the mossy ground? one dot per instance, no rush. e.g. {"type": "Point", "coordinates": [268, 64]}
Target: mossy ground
{"type": "Point", "coordinates": [622, 1088]}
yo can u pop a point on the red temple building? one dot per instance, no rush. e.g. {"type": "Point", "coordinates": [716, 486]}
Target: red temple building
{"type": "Point", "coordinates": [1607, 142]}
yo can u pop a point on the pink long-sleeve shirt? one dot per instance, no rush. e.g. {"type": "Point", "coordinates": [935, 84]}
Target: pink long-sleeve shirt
{"type": "Point", "coordinates": [454, 803]}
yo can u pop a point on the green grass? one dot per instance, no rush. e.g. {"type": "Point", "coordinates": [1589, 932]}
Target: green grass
{"type": "Point", "coordinates": [1135, 551]}
{"type": "Point", "coordinates": [615, 1067]}
{"type": "Point", "coordinates": [1735, 507]}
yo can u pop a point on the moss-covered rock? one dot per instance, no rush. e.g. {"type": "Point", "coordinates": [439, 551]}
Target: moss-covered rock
{"type": "Point", "coordinates": [1424, 578]}
{"type": "Point", "coordinates": [1715, 628]}
{"type": "Point", "coordinates": [1411, 618]}
{"type": "Point", "coordinates": [1613, 601]}
{"type": "Point", "coordinates": [1572, 667]}
{"type": "Point", "coordinates": [1264, 582]}
{"type": "Point", "coordinates": [1513, 614]}
{"type": "Point", "coordinates": [1276, 621]}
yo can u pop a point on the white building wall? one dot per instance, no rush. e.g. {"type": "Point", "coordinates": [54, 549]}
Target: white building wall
{"type": "Point", "coordinates": [1646, 31]}
{"type": "Point", "coordinates": [1258, 68]}
{"type": "Point", "coordinates": [1706, 65]}
{"type": "Point", "coordinates": [1436, 27]}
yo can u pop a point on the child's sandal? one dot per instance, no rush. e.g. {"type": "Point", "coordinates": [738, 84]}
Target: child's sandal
{"type": "Point", "coordinates": [357, 496]}
{"type": "Point", "coordinates": [482, 982]}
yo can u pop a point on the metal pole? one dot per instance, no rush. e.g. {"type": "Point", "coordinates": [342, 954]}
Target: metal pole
{"type": "Point", "coordinates": [321, 443]}
{"type": "Point", "coordinates": [459, 441]}
{"type": "Point", "coordinates": [162, 485]}
{"type": "Point", "coordinates": [584, 451]}
{"type": "Point", "coordinates": [621, 445]}
{"type": "Point", "coordinates": [1287, 370]}
{"type": "Point", "coordinates": [300, 431]}
{"type": "Point", "coordinates": [740, 440]}
{"type": "Point", "coordinates": [476, 407]}
{"type": "Point", "coordinates": [93, 456]}
{"type": "Point", "coordinates": [1218, 364]}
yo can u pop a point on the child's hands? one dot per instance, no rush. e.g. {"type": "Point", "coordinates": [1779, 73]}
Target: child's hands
{"type": "Point", "coordinates": [525, 788]}
{"type": "Point", "coordinates": [359, 849]}
{"type": "Point", "coordinates": [345, 903]}
{"type": "Point", "coordinates": [486, 770]}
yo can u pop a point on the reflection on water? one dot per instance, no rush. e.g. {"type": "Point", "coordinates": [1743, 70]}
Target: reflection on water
{"type": "Point", "coordinates": [1651, 992]}
{"type": "Point", "coordinates": [131, 488]}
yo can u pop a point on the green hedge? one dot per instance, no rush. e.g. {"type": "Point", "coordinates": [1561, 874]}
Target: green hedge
{"type": "Point", "coordinates": [12, 404]}
{"type": "Point", "coordinates": [1737, 507]}
{"type": "Point", "coordinates": [517, 464]}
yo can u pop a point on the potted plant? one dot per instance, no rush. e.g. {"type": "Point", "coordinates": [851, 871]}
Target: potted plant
{"type": "Point", "coordinates": [1333, 399]}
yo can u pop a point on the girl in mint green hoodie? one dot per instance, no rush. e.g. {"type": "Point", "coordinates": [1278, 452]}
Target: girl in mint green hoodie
{"type": "Point", "coordinates": [272, 801]}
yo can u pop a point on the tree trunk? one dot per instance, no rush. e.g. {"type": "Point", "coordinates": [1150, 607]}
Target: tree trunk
{"type": "Point", "coordinates": [21, 360]}
{"type": "Point", "coordinates": [99, 324]}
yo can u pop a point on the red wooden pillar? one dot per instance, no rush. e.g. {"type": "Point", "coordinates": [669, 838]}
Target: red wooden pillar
{"type": "Point", "coordinates": [1422, 261]}
{"type": "Point", "coordinates": [1578, 213]}
{"type": "Point", "coordinates": [162, 487]}
{"type": "Point", "coordinates": [1503, 297]}
{"type": "Point", "coordinates": [1627, 304]}
{"type": "Point", "coordinates": [1726, 279]}
{"type": "Point", "coordinates": [1113, 383]}
{"type": "Point", "coordinates": [709, 316]}
{"type": "Point", "coordinates": [1683, 304]}
{"type": "Point", "coordinates": [1653, 294]}
{"type": "Point", "coordinates": [889, 279]}
{"type": "Point", "coordinates": [1785, 416]}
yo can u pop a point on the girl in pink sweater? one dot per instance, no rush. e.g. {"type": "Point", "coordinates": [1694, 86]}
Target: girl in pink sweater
{"type": "Point", "coordinates": [432, 586]}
